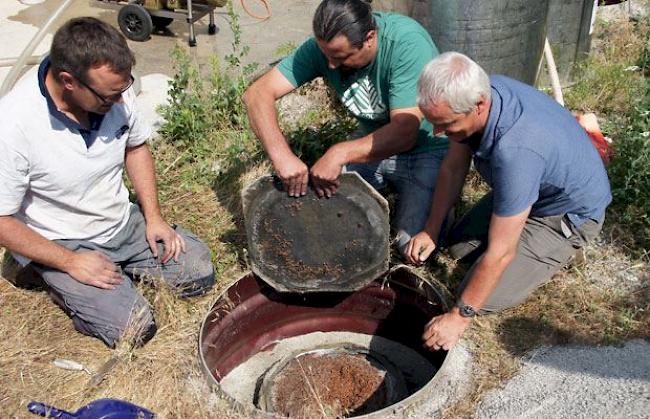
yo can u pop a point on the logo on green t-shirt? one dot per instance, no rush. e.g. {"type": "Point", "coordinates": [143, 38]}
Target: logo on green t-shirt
{"type": "Point", "coordinates": [363, 100]}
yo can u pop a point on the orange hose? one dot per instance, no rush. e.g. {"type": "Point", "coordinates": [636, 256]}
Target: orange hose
{"type": "Point", "coordinates": [253, 15]}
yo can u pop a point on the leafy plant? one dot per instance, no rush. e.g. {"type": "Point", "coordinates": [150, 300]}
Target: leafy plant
{"type": "Point", "coordinates": [630, 175]}
{"type": "Point", "coordinates": [609, 81]}
{"type": "Point", "coordinates": [186, 119]}
{"type": "Point", "coordinates": [310, 142]}
{"type": "Point", "coordinates": [205, 116]}
{"type": "Point", "coordinates": [614, 83]}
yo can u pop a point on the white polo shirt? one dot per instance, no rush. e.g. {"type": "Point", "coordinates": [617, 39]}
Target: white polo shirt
{"type": "Point", "coordinates": [60, 183]}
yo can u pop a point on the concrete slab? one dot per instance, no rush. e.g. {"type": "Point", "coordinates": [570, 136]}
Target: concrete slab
{"type": "Point", "coordinates": [15, 35]}
{"type": "Point", "coordinates": [290, 21]}
{"type": "Point", "coordinates": [576, 382]}
{"type": "Point", "coordinates": [152, 94]}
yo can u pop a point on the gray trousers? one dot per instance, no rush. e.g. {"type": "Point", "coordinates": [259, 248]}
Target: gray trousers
{"type": "Point", "coordinates": [108, 314]}
{"type": "Point", "coordinates": [545, 246]}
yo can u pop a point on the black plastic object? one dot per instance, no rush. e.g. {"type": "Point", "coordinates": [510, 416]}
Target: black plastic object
{"type": "Point", "coordinates": [135, 22]}
{"type": "Point", "coordinates": [98, 409]}
{"type": "Point", "coordinates": [312, 244]}
{"type": "Point", "coordinates": [161, 22]}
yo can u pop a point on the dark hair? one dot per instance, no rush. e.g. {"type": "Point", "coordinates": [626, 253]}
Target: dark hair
{"type": "Point", "coordinates": [352, 18]}
{"type": "Point", "coordinates": [86, 42]}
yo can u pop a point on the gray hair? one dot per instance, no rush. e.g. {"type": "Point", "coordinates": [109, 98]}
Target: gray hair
{"type": "Point", "coordinates": [455, 79]}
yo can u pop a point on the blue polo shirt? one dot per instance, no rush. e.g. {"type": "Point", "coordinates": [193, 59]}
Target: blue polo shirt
{"type": "Point", "coordinates": [534, 153]}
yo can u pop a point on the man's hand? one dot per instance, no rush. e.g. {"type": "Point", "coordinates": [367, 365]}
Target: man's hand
{"type": "Point", "coordinates": [294, 175]}
{"type": "Point", "coordinates": [325, 173]}
{"type": "Point", "coordinates": [94, 268]}
{"type": "Point", "coordinates": [419, 248]}
{"type": "Point", "coordinates": [443, 331]}
{"type": "Point", "coordinates": [173, 243]}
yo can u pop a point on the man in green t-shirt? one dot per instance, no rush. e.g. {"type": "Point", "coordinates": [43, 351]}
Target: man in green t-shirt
{"type": "Point", "coordinates": [373, 61]}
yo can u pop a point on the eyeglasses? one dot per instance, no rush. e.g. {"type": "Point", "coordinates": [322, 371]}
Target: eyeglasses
{"type": "Point", "coordinates": [111, 98]}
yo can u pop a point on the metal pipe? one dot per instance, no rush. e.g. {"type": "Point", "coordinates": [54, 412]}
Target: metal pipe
{"type": "Point", "coordinates": [27, 52]}
{"type": "Point", "coordinates": [190, 20]}
{"type": "Point", "coordinates": [8, 62]}
{"type": "Point", "coordinates": [552, 72]}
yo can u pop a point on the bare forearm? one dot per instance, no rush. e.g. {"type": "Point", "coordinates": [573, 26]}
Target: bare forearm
{"type": "Point", "coordinates": [449, 185]}
{"type": "Point", "coordinates": [18, 238]}
{"type": "Point", "coordinates": [141, 170]}
{"type": "Point", "coordinates": [443, 331]}
{"type": "Point", "coordinates": [485, 278]}
{"type": "Point", "coordinates": [448, 189]}
{"type": "Point", "coordinates": [263, 118]}
{"type": "Point", "coordinates": [396, 137]}
{"type": "Point", "coordinates": [503, 239]}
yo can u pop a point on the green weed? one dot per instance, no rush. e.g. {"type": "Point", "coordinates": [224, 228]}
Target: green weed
{"type": "Point", "coordinates": [310, 142]}
{"type": "Point", "coordinates": [207, 123]}
{"type": "Point", "coordinates": [630, 176]}
{"type": "Point", "coordinates": [186, 119]}
{"type": "Point", "coordinates": [285, 49]}
{"type": "Point", "coordinates": [205, 118]}
{"type": "Point", "coordinates": [614, 83]}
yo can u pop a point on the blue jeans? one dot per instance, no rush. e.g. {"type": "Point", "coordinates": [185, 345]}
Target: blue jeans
{"type": "Point", "coordinates": [413, 174]}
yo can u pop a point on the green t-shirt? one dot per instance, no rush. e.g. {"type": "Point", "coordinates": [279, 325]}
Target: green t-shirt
{"type": "Point", "coordinates": [389, 82]}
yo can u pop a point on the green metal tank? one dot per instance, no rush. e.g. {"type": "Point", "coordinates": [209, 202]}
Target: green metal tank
{"type": "Point", "coordinates": [503, 36]}
{"type": "Point", "coordinates": [569, 33]}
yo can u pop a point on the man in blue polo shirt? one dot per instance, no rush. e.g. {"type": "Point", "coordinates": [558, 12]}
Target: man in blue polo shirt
{"type": "Point", "coordinates": [549, 188]}
{"type": "Point", "coordinates": [64, 209]}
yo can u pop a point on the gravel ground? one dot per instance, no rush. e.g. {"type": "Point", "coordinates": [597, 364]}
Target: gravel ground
{"type": "Point", "coordinates": [577, 382]}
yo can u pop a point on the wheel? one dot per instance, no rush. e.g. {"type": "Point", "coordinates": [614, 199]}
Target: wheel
{"type": "Point", "coordinates": [160, 22]}
{"type": "Point", "coordinates": [135, 22]}
{"type": "Point", "coordinates": [212, 29]}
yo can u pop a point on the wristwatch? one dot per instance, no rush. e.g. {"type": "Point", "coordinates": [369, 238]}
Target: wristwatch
{"type": "Point", "coordinates": [465, 310]}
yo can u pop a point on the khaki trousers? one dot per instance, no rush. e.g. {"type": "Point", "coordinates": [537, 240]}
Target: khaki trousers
{"type": "Point", "coordinates": [546, 245]}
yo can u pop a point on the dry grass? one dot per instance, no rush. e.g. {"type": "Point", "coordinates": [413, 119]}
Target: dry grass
{"type": "Point", "coordinates": [604, 300]}
{"type": "Point", "coordinates": [587, 304]}
{"type": "Point", "coordinates": [582, 305]}
{"type": "Point", "coordinates": [608, 83]}
{"type": "Point", "coordinates": [164, 375]}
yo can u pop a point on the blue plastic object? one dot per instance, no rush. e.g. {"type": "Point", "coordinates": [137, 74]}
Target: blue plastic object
{"type": "Point", "coordinates": [98, 409]}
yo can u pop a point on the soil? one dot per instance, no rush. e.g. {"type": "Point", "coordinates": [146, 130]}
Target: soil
{"type": "Point", "coordinates": [333, 385]}
{"type": "Point", "coordinates": [242, 383]}
{"type": "Point", "coordinates": [283, 249]}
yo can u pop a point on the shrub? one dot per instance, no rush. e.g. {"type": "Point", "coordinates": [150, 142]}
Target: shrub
{"type": "Point", "coordinates": [207, 120]}
{"type": "Point", "coordinates": [629, 174]}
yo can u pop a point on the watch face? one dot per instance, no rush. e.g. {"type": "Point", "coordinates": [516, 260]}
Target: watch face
{"type": "Point", "coordinates": [467, 311]}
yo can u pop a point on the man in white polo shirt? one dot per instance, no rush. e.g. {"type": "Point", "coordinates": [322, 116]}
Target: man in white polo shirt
{"type": "Point", "coordinates": [64, 209]}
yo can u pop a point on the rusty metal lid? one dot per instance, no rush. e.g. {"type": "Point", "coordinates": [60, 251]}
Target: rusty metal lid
{"type": "Point", "coordinates": [312, 244]}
